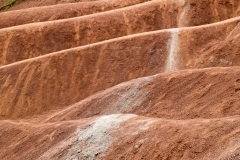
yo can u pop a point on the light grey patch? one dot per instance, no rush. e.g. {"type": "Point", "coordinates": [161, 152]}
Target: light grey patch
{"type": "Point", "coordinates": [152, 51]}
{"type": "Point", "coordinates": [89, 143]}
{"type": "Point", "coordinates": [172, 59]}
{"type": "Point", "coordinates": [132, 97]}
{"type": "Point", "coordinates": [215, 60]}
{"type": "Point", "coordinates": [138, 47]}
{"type": "Point", "coordinates": [182, 21]}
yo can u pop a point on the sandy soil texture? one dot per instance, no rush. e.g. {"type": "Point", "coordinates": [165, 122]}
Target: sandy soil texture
{"type": "Point", "coordinates": [120, 79]}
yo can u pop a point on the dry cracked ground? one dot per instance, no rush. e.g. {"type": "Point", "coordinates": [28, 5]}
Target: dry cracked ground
{"type": "Point", "coordinates": [120, 80]}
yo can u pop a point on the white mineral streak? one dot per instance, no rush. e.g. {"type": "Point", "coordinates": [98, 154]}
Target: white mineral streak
{"type": "Point", "coordinates": [183, 19]}
{"type": "Point", "coordinates": [89, 143]}
{"type": "Point", "coordinates": [130, 98]}
{"type": "Point", "coordinates": [172, 61]}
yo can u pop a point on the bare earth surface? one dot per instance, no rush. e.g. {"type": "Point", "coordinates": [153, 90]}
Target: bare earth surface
{"type": "Point", "coordinates": [120, 79]}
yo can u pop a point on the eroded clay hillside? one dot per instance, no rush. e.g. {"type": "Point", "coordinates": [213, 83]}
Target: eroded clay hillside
{"type": "Point", "coordinates": [119, 79]}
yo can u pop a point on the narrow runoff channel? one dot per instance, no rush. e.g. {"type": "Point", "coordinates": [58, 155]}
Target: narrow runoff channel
{"type": "Point", "coordinates": [172, 62]}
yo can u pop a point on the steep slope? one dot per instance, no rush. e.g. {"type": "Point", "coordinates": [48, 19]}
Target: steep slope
{"type": "Point", "coordinates": [32, 40]}
{"type": "Point", "coordinates": [63, 78]}
{"type": "Point", "coordinates": [202, 93]}
{"type": "Point", "coordinates": [61, 11]}
{"type": "Point", "coordinates": [109, 79]}
{"type": "Point", "coordinates": [22, 4]}
{"type": "Point", "coordinates": [122, 137]}
{"type": "Point", "coordinates": [36, 39]}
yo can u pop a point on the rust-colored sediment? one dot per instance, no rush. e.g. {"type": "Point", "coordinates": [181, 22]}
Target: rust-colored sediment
{"type": "Point", "coordinates": [61, 11]}
{"type": "Point", "coordinates": [115, 79]}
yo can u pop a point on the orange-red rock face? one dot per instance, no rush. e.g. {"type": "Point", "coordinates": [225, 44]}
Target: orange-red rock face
{"type": "Point", "coordinates": [121, 80]}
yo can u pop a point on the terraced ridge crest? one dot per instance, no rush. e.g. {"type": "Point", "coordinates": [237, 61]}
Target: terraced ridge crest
{"type": "Point", "coordinates": [119, 79]}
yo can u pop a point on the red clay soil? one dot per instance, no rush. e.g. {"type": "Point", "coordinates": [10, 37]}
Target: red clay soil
{"type": "Point", "coordinates": [122, 137]}
{"type": "Point", "coordinates": [35, 39]}
{"type": "Point", "coordinates": [61, 11]}
{"type": "Point", "coordinates": [63, 78]}
{"type": "Point", "coordinates": [23, 4]}
{"type": "Point", "coordinates": [115, 79]}
{"type": "Point", "coordinates": [201, 93]}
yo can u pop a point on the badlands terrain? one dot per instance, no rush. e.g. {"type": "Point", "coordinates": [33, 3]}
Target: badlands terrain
{"type": "Point", "coordinates": [120, 80]}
